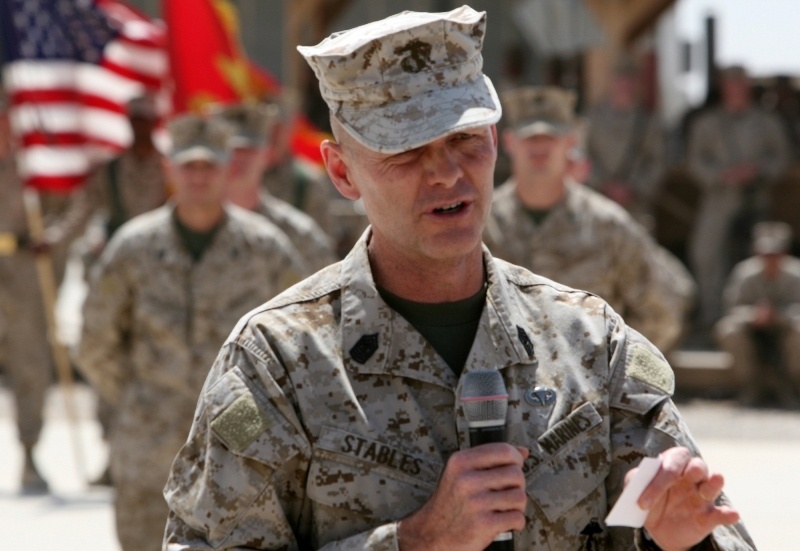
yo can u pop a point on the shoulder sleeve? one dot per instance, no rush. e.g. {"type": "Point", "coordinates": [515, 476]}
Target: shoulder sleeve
{"type": "Point", "coordinates": [238, 481]}
{"type": "Point", "coordinates": [646, 422]}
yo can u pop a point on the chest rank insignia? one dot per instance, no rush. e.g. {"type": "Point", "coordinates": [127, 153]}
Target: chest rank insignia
{"type": "Point", "coordinates": [525, 340]}
{"type": "Point", "coordinates": [364, 348]}
{"type": "Point", "coordinates": [540, 396]}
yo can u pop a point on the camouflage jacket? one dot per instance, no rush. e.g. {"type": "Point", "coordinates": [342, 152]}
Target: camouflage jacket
{"type": "Point", "coordinates": [327, 417]}
{"type": "Point", "coordinates": [151, 308]}
{"type": "Point", "coordinates": [141, 187]}
{"type": "Point", "coordinates": [304, 233]}
{"type": "Point", "coordinates": [153, 320]}
{"type": "Point", "coordinates": [589, 242]}
{"type": "Point", "coordinates": [626, 146]}
{"type": "Point", "coordinates": [719, 140]}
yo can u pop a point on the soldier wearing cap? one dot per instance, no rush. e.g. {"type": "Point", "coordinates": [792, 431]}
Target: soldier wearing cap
{"type": "Point", "coordinates": [307, 188]}
{"type": "Point", "coordinates": [626, 146]}
{"type": "Point", "coordinates": [249, 157]}
{"type": "Point", "coordinates": [331, 419]}
{"type": "Point", "coordinates": [166, 291]}
{"type": "Point", "coordinates": [761, 327]}
{"type": "Point", "coordinates": [734, 152]}
{"type": "Point", "coordinates": [545, 221]}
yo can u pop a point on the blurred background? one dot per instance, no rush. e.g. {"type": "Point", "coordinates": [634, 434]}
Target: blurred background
{"type": "Point", "coordinates": [678, 47]}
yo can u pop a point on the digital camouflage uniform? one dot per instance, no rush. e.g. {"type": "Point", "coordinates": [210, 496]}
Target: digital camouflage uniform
{"type": "Point", "coordinates": [309, 190]}
{"type": "Point", "coordinates": [628, 147]}
{"type": "Point", "coordinates": [591, 243]}
{"type": "Point", "coordinates": [305, 234]}
{"type": "Point", "coordinates": [746, 287]}
{"type": "Point", "coordinates": [24, 350]}
{"type": "Point", "coordinates": [141, 187]}
{"type": "Point", "coordinates": [153, 323]}
{"type": "Point", "coordinates": [719, 140]}
{"type": "Point", "coordinates": [327, 417]}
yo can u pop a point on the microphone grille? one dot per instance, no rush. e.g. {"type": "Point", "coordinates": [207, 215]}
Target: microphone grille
{"type": "Point", "coordinates": [484, 397]}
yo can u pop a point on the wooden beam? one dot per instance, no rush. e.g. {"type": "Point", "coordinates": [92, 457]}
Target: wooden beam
{"type": "Point", "coordinates": [645, 20]}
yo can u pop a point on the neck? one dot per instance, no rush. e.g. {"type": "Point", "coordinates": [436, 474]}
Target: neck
{"type": "Point", "coordinates": [199, 218]}
{"type": "Point", "coordinates": [541, 193]}
{"type": "Point", "coordinates": [423, 280]}
{"type": "Point", "coordinates": [143, 148]}
{"type": "Point", "coordinates": [245, 196]}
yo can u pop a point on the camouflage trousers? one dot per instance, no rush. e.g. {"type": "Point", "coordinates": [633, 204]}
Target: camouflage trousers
{"type": "Point", "coordinates": [755, 366]}
{"type": "Point", "coordinates": [140, 516]}
{"type": "Point", "coordinates": [25, 353]}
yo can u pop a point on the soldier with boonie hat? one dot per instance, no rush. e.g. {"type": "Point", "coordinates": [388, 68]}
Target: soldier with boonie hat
{"type": "Point", "coordinates": [331, 418]}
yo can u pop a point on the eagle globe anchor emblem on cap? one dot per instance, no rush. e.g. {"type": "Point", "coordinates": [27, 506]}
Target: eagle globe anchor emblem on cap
{"type": "Point", "coordinates": [540, 396]}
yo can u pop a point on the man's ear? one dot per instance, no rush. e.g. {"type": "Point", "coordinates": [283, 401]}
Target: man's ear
{"type": "Point", "coordinates": [338, 169]}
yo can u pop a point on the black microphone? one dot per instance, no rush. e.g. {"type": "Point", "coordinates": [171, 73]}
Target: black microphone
{"type": "Point", "coordinates": [485, 401]}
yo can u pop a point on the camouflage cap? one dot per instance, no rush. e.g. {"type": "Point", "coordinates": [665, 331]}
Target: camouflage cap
{"type": "Point", "coordinates": [537, 110]}
{"type": "Point", "coordinates": [404, 81]}
{"type": "Point", "coordinates": [197, 138]}
{"type": "Point", "coordinates": [252, 123]}
{"type": "Point", "coordinates": [772, 237]}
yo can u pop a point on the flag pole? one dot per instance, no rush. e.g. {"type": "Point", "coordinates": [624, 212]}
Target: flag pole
{"type": "Point", "coordinates": [47, 284]}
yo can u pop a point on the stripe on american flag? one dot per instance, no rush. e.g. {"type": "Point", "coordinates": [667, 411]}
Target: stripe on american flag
{"type": "Point", "coordinates": [71, 68]}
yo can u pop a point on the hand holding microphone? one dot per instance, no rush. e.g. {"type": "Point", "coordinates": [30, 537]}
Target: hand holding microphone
{"type": "Point", "coordinates": [485, 402]}
{"type": "Point", "coordinates": [481, 494]}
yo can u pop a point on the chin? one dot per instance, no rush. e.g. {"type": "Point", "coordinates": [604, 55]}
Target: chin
{"type": "Point", "coordinates": [455, 244]}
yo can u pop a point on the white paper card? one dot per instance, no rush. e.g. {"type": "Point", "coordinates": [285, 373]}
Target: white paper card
{"type": "Point", "coordinates": [625, 511]}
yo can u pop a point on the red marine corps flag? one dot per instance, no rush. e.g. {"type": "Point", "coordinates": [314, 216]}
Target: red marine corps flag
{"type": "Point", "coordinates": [209, 65]}
{"type": "Point", "coordinates": [70, 68]}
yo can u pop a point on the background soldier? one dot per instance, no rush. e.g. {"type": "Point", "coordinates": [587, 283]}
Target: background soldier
{"type": "Point", "coordinates": [24, 352]}
{"type": "Point", "coordinates": [249, 157]}
{"type": "Point", "coordinates": [307, 188]}
{"type": "Point", "coordinates": [761, 327]}
{"type": "Point", "coordinates": [164, 295]}
{"type": "Point", "coordinates": [626, 147]}
{"type": "Point", "coordinates": [545, 221]}
{"type": "Point", "coordinates": [734, 151]}
{"type": "Point", "coordinates": [131, 184]}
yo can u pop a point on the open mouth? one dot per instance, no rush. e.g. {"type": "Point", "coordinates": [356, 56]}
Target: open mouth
{"type": "Point", "coordinates": [449, 209]}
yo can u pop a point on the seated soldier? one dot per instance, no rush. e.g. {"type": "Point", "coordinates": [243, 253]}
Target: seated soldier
{"type": "Point", "coordinates": [761, 327]}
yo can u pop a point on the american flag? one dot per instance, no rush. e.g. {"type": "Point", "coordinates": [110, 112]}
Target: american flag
{"type": "Point", "coordinates": [70, 68]}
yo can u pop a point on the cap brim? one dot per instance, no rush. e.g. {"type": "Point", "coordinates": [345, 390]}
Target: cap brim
{"type": "Point", "coordinates": [541, 128]}
{"type": "Point", "coordinates": [199, 153]}
{"type": "Point", "coordinates": [246, 141]}
{"type": "Point", "coordinates": [402, 126]}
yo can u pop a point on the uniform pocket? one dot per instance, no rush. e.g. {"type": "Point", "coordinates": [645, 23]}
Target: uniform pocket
{"type": "Point", "coordinates": [574, 462]}
{"type": "Point", "coordinates": [358, 482]}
